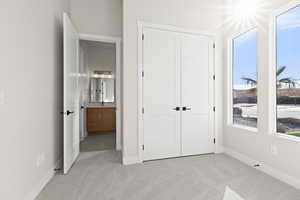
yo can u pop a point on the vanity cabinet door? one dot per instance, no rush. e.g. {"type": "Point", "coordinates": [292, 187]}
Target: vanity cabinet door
{"type": "Point", "coordinates": [93, 120]}
{"type": "Point", "coordinates": [101, 120]}
{"type": "Point", "coordinates": [108, 120]}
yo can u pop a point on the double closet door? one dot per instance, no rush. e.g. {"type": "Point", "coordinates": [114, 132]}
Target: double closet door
{"type": "Point", "coordinates": [178, 91]}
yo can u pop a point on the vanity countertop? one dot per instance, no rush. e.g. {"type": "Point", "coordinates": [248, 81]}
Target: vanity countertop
{"type": "Point", "coordinates": [100, 105]}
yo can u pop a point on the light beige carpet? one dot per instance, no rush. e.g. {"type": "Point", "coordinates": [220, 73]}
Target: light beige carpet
{"type": "Point", "coordinates": [98, 142]}
{"type": "Point", "coordinates": [231, 195]}
{"type": "Point", "coordinates": [100, 176]}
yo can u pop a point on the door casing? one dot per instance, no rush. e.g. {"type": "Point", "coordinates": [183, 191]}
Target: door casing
{"type": "Point", "coordinates": [117, 41]}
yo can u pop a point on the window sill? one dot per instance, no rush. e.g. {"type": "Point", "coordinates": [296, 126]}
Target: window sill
{"type": "Point", "coordinates": [288, 137]}
{"type": "Point", "coordinates": [250, 129]}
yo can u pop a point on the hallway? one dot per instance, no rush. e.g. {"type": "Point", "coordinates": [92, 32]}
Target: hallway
{"type": "Point", "coordinates": [98, 142]}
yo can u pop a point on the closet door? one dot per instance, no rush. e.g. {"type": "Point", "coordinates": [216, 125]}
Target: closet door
{"type": "Point", "coordinates": [197, 95]}
{"type": "Point", "coordinates": [161, 86]}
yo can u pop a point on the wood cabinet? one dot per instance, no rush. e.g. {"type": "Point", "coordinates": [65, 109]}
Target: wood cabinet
{"type": "Point", "coordinates": [101, 120]}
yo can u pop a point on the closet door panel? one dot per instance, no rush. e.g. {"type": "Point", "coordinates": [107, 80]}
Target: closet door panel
{"type": "Point", "coordinates": [197, 74]}
{"type": "Point", "coordinates": [161, 86]}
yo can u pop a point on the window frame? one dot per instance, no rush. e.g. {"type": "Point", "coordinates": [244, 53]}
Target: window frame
{"type": "Point", "coordinates": [273, 68]}
{"type": "Point", "coordinates": [230, 63]}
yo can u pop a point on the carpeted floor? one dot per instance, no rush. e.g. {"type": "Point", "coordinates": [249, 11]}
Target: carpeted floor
{"type": "Point", "coordinates": [98, 142]}
{"type": "Point", "coordinates": [100, 176]}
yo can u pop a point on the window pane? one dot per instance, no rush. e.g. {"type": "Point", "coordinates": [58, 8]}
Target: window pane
{"type": "Point", "coordinates": [288, 72]}
{"type": "Point", "coordinates": [245, 79]}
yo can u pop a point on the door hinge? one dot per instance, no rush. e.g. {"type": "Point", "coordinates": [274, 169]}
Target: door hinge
{"type": "Point", "coordinates": [143, 36]}
{"type": "Point", "coordinates": [214, 108]}
{"type": "Point", "coordinates": [214, 140]}
{"type": "Point", "coordinates": [214, 77]}
{"type": "Point", "coordinates": [143, 110]}
{"type": "Point", "coordinates": [214, 45]}
{"type": "Point", "coordinates": [143, 73]}
{"type": "Point", "coordinates": [143, 147]}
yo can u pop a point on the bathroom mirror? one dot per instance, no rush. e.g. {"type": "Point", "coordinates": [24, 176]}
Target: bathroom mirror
{"type": "Point", "coordinates": [102, 87]}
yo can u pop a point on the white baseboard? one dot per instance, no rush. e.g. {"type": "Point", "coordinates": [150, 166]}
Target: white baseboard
{"type": "Point", "coordinates": [219, 149]}
{"type": "Point", "coordinates": [241, 157]}
{"type": "Point", "coordinates": [43, 182]}
{"type": "Point", "coordinates": [118, 147]}
{"type": "Point", "coordinates": [131, 160]}
{"type": "Point", "coordinates": [82, 138]}
{"type": "Point", "coordinates": [278, 174]}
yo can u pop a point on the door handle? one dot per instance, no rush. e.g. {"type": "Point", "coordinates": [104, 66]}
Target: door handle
{"type": "Point", "coordinates": [186, 108]}
{"type": "Point", "coordinates": [177, 108]}
{"type": "Point", "coordinates": [69, 112]}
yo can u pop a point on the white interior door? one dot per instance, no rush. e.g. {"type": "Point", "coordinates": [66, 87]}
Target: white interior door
{"type": "Point", "coordinates": [161, 96]}
{"type": "Point", "coordinates": [197, 95]}
{"type": "Point", "coordinates": [71, 96]}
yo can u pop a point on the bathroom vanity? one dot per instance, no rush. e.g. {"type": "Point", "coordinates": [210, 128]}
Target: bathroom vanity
{"type": "Point", "coordinates": [101, 111]}
{"type": "Point", "coordinates": [101, 118]}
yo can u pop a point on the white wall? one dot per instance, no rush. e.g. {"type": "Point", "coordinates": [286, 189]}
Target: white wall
{"type": "Point", "coordinates": [84, 71]}
{"type": "Point", "coordinates": [258, 145]}
{"type": "Point", "coordinates": [101, 57]}
{"type": "Point", "coordinates": [100, 17]}
{"type": "Point", "coordinates": [30, 93]}
{"type": "Point", "coordinates": [198, 15]}
{"type": "Point", "coordinates": [83, 86]}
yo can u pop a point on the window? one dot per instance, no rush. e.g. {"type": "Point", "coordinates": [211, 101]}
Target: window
{"type": "Point", "coordinates": [244, 64]}
{"type": "Point", "coordinates": [288, 72]}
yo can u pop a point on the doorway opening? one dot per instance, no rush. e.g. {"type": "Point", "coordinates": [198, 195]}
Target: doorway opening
{"type": "Point", "coordinates": [99, 93]}
{"type": "Point", "coordinates": [92, 94]}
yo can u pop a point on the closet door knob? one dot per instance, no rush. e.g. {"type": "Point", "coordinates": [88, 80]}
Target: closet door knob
{"type": "Point", "coordinates": [185, 108]}
{"type": "Point", "coordinates": [177, 108]}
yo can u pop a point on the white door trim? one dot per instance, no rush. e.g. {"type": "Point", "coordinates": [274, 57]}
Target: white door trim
{"type": "Point", "coordinates": [117, 41]}
{"type": "Point", "coordinates": [272, 72]}
{"type": "Point", "coordinates": [141, 25]}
